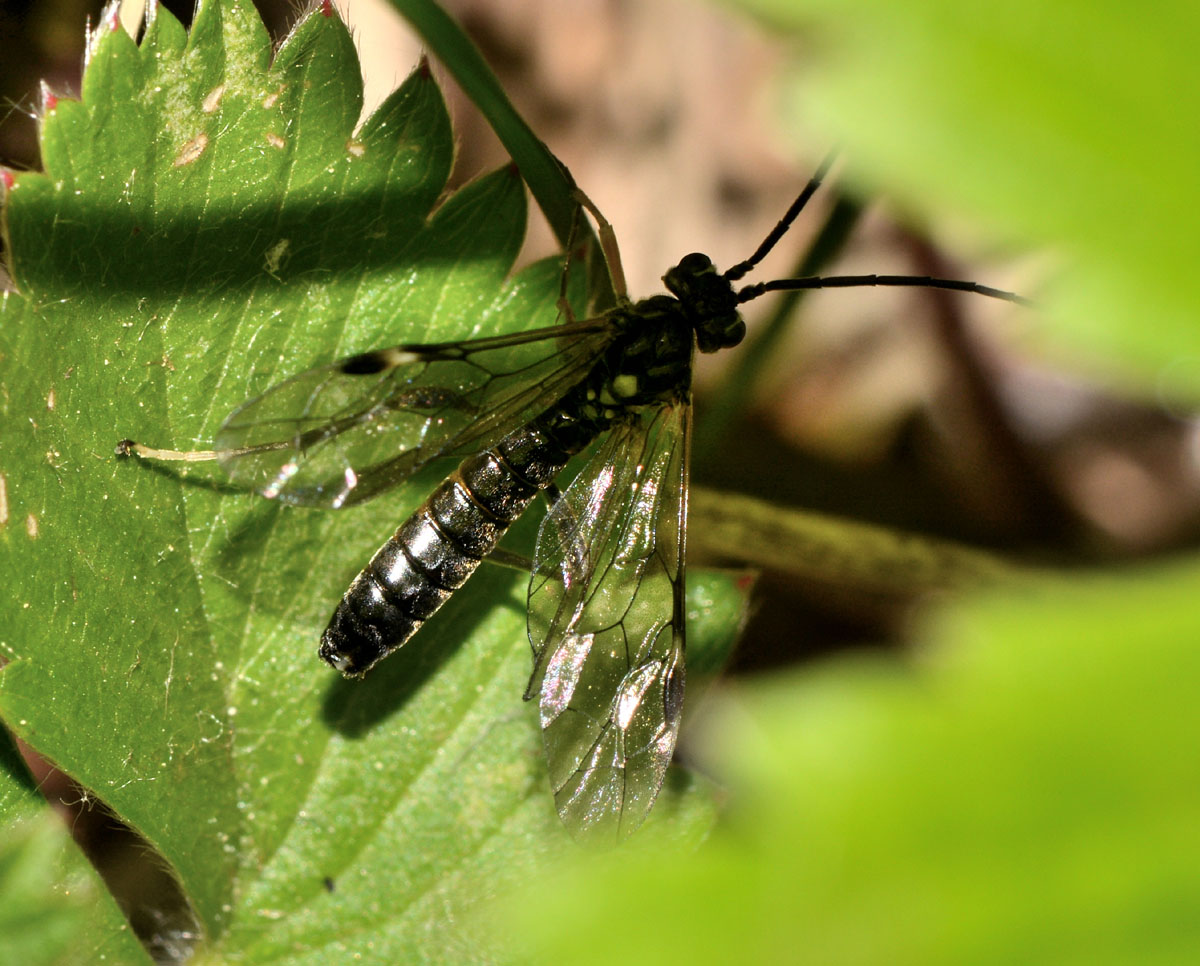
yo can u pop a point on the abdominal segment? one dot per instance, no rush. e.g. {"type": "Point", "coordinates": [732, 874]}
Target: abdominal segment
{"type": "Point", "coordinates": [434, 552]}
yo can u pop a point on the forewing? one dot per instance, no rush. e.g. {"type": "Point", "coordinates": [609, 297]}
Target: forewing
{"type": "Point", "coordinates": [606, 622]}
{"type": "Point", "coordinates": [341, 433]}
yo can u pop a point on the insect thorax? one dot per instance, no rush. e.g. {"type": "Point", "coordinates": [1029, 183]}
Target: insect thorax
{"type": "Point", "coordinates": [649, 361]}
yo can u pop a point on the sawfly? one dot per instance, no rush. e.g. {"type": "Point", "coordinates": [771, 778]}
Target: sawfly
{"type": "Point", "coordinates": [606, 593]}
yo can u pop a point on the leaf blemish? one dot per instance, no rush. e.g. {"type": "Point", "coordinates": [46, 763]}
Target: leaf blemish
{"type": "Point", "coordinates": [192, 150]}
{"type": "Point", "coordinates": [356, 148]}
{"type": "Point", "coordinates": [272, 99]}
{"type": "Point", "coordinates": [275, 140]}
{"type": "Point", "coordinates": [275, 255]}
{"type": "Point", "coordinates": [213, 100]}
{"type": "Point", "coordinates": [50, 399]}
{"type": "Point", "coordinates": [31, 526]}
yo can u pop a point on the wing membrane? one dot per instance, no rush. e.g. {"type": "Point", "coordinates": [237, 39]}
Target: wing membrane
{"type": "Point", "coordinates": [341, 433]}
{"type": "Point", "coordinates": [606, 623]}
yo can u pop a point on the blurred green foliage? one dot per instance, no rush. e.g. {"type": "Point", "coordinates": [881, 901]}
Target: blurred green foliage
{"type": "Point", "coordinates": [1058, 127]}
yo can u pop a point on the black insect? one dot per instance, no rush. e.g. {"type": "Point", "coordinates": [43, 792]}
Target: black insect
{"type": "Point", "coordinates": [606, 595]}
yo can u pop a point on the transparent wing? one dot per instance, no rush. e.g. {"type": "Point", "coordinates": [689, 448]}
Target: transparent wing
{"type": "Point", "coordinates": [606, 622]}
{"type": "Point", "coordinates": [341, 433]}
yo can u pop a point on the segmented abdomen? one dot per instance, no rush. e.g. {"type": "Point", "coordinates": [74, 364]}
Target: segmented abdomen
{"type": "Point", "coordinates": [434, 552]}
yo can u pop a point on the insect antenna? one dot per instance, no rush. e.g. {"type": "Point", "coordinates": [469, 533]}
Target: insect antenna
{"type": "Point", "coordinates": [789, 216]}
{"type": "Point", "coordinates": [758, 349]}
{"type": "Point", "coordinates": [842, 281]}
{"type": "Point", "coordinates": [856, 281]}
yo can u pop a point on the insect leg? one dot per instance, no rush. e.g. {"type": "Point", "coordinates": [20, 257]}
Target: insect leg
{"type": "Point", "coordinates": [608, 245]}
{"type": "Point", "coordinates": [506, 558]}
{"type": "Point", "coordinates": [563, 305]}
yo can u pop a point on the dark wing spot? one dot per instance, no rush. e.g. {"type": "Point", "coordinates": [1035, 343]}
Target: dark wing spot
{"type": "Point", "coordinates": [367, 364]}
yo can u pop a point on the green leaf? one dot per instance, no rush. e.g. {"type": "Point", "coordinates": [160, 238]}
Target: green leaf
{"type": "Point", "coordinates": [53, 907]}
{"type": "Point", "coordinates": [209, 223]}
{"type": "Point", "coordinates": [1057, 125]}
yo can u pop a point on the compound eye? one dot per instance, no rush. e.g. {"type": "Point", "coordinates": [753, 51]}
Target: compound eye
{"type": "Point", "coordinates": [695, 263]}
{"type": "Point", "coordinates": [720, 332]}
